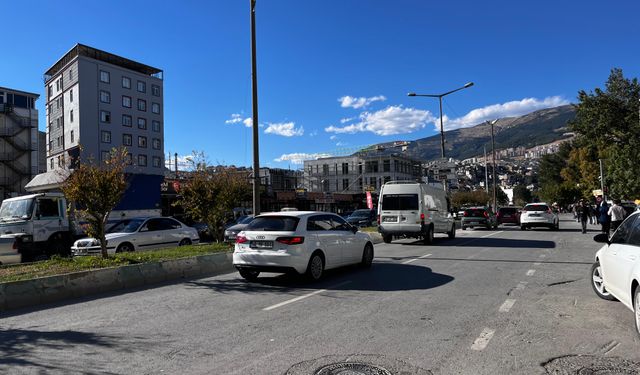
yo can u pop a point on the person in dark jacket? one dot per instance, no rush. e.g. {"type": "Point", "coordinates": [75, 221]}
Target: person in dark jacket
{"type": "Point", "coordinates": [603, 214]}
{"type": "Point", "coordinates": [585, 215]}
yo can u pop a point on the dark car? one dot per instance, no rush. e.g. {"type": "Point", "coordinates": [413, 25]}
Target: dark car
{"type": "Point", "coordinates": [478, 217]}
{"type": "Point", "coordinates": [231, 232]}
{"type": "Point", "coordinates": [508, 215]}
{"type": "Point", "coordinates": [362, 218]}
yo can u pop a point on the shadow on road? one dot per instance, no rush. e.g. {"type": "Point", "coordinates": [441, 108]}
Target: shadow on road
{"type": "Point", "coordinates": [19, 348]}
{"type": "Point", "coordinates": [382, 277]}
{"type": "Point", "coordinates": [489, 242]}
{"type": "Point", "coordinates": [490, 260]}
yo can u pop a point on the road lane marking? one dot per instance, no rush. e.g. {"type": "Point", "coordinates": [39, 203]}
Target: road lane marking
{"type": "Point", "coordinates": [507, 305]}
{"type": "Point", "coordinates": [414, 259]}
{"type": "Point", "coordinates": [296, 299]}
{"type": "Point", "coordinates": [489, 235]}
{"type": "Point", "coordinates": [483, 340]}
{"type": "Point", "coordinates": [531, 272]}
{"type": "Point", "coordinates": [536, 263]}
{"type": "Point", "coordinates": [475, 239]}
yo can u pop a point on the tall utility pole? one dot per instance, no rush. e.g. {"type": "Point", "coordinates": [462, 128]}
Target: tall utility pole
{"type": "Point", "coordinates": [604, 196]}
{"type": "Point", "coordinates": [486, 172]}
{"type": "Point", "coordinates": [493, 149]}
{"type": "Point", "coordinates": [254, 96]}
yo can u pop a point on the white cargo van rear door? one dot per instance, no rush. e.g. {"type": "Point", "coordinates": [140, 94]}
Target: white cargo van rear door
{"type": "Point", "coordinates": [400, 209]}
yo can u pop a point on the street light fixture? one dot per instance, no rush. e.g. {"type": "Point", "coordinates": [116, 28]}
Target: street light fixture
{"type": "Point", "coordinates": [440, 96]}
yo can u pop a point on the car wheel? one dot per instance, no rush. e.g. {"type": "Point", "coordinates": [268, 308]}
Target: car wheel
{"type": "Point", "coordinates": [636, 308]}
{"type": "Point", "coordinates": [315, 269]}
{"type": "Point", "coordinates": [124, 248]}
{"type": "Point", "coordinates": [558, 225]}
{"type": "Point", "coordinates": [185, 242]}
{"type": "Point", "coordinates": [367, 256]}
{"type": "Point", "coordinates": [428, 237]}
{"type": "Point", "coordinates": [523, 227]}
{"type": "Point", "coordinates": [464, 228]}
{"type": "Point", "coordinates": [249, 275]}
{"type": "Point", "coordinates": [452, 232]}
{"type": "Point", "coordinates": [597, 283]}
{"type": "Point", "coordinates": [387, 238]}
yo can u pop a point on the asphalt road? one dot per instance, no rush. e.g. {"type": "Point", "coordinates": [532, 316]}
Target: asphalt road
{"type": "Point", "coordinates": [489, 302]}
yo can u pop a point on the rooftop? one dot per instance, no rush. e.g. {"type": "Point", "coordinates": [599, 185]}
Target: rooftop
{"type": "Point", "coordinates": [94, 53]}
{"type": "Point", "coordinates": [5, 89]}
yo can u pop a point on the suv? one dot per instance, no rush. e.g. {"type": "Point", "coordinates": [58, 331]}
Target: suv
{"type": "Point", "coordinates": [362, 218]}
{"type": "Point", "coordinates": [508, 215]}
{"type": "Point", "coordinates": [539, 215]}
{"type": "Point", "coordinates": [478, 217]}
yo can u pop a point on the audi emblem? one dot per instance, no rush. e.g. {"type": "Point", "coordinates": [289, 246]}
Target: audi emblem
{"type": "Point", "coordinates": [260, 237]}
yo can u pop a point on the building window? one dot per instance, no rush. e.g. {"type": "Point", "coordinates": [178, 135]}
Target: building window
{"type": "Point", "coordinates": [50, 92]}
{"type": "Point", "coordinates": [106, 136]}
{"type": "Point", "coordinates": [126, 82]}
{"type": "Point", "coordinates": [58, 122]}
{"type": "Point", "coordinates": [142, 141]}
{"type": "Point", "coordinates": [155, 107]}
{"type": "Point", "coordinates": [126, 101]}
{"type": "Point", "coordinates": [157, 162]}
{"type": "Point", "coordinates": [105, 76]}
{"type": "Point", "coordinates": [126, 139]}
{"type": "Point", "coordinates": [50, 145]}
{"type": "Point", "coordinates": [57, 85]}
{"type": "Point", "coordinates": [127, 120]}
{"type": "Point", "coordinates": [142, 160]}
{"type": "Point", "coordinates": [142, 87]}
{"type": "Point", "coordinates": [386, 165]}
{"type": "Point", "coordinates": [155, 90]}
{"type": "Point", "coordinates": [345, 184]}
{"type": "Point", "coordinates": [106, 155]}
{"type": "Point", "coordinates": [105, 97]}
{"type": "Point", "coordinates": [156, 144]}
{"type": "Point", "coordinates": [105, 116]}
{"type": "Point", "coordinates": [58, 141]}
{"type": "Point", "coordinates": [129, 158]}
{"type": "Point", "coordinates": [142, 123]}
{"type": "Point", "coordinates": [142, 105]}
{"type": "Point", "coordinates": [51, 163]}
{"type": "Point", "coordinates": [156, 126]}
{"type": "Point", "coordinates": [72, 137]}
{"type": "Point", "coordinates": [345, 168]}
{"type": "Point", "coordinates": [71, 115]}
{"type": "Point", "coordinates": [71, 95]}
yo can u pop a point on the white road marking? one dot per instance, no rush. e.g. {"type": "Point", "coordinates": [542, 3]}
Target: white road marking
{"type": "Point", "coordinates": [531, 272]}
{"type": "Point", "coordinates": [304, 296]}
{"type": "Point", "coordinates": [475, 239]}
{"type": "Point", "coordinates": [507, 305]}
{"type": "Point", "coordinates": [489, 235]}
{"type": "Point", "coordinates": [536, 263]}
{"type": "Point", "coordinates": [521, 285]}
{"type": "Point", "coordinates": [413, 260]}
{"type": "Point", "coordinates": [483, 340]}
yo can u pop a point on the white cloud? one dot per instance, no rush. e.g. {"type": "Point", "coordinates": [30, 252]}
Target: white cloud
{"type": "Point", "coordinates": [300, 157]}
{"type": "Point", "coordinates": [389, 121]}
{"type": "Point", "coordinates": [237, 118]}
{"type": "Point", "coordinates": [495, 111]}
{"type": "Point", "coordinates": [333, 137]}
{"type": "Point", "coordinates": [361, 102]}
{"type": "Point", "coordinates": [285, 129]}
{"type": "Point", "coordinates": [313, 133]}
{"type": "Point", "coordinates": [345, 120]}
{"type": "Point", "coordinates": [340, 144]}
{"type": "Point", "coordinates": [248, 122]}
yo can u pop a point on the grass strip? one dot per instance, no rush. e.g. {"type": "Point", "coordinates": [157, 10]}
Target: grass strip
{"type": "Point", "coordinates": [60, 265]}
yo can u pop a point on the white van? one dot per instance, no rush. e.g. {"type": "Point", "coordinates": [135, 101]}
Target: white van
{"type": "Point", "coordinates": [412, 209]}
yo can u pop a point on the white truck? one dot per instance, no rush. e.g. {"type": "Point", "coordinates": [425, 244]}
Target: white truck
{"type": "Point", "coordinates": [413, 209]}
{"type": "Point", "coordinates": [42, 227]}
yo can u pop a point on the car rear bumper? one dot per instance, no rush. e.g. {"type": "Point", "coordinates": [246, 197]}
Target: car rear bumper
{"type": "Point", "coordinates": [470, 223]}
{"type": "Point", "coordinates": [270, 261]}
{"type": "Point", "coordinates": [400, 229]}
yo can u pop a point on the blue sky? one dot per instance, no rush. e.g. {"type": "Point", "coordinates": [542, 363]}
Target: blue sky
{"type": "Point", "coordinates": [333, 74]}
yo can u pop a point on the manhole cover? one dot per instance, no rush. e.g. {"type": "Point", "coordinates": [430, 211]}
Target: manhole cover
{"type": "Point", "coordinates": [591, 365]}
{"type": "Point", "coordinates": [351, 368]}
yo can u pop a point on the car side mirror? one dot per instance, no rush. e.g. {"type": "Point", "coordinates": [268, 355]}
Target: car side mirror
{"type": "Point", "coordinates": [601, 238]}
{"type": "Point", "coordinates": [354, 229]}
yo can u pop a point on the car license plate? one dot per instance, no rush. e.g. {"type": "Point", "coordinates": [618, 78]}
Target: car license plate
{"type": "Point", "coordinates": [473, 222]}
{"type": "Point", "coordinates": [390, 219]}
{"type": "Point", "coordinates": [261, 244]}
{"type": "Point", "coordinates": [534, 215]}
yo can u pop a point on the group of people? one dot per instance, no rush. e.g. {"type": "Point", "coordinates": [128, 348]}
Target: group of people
{"type": "Point", "coordinates": [609, 217]}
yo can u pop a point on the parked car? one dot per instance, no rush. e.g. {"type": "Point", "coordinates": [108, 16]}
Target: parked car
{"type": "Point", "coordinates": [615, 274]}
{"type": "Point", "coordinates": [478, 217]}
{"type": "Point", "coordinates": [231, 232]}
{"type": "Point", "coordinates": [508, 215]}
{"type": "Point", "coordinates": [362, 218]}
{"type": "Point", "coordinates": [539, 215]}
{"type": "Point", "coordinates": [140, 234]}
{"type": "Point", "coordinates": [411, 209]}
{"type": "Point", "coordinates": [299, 242]}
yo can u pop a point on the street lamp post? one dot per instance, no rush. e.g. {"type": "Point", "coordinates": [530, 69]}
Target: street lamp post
{"type": "Point", "coordinates": [493, 150]}
{"type": "Point", "coordinates": [254, 96]}
{"type": "Point", "coordinates": [440, 96]}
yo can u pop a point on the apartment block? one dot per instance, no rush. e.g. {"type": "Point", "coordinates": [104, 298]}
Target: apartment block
{"type": "Point", "coordinates": [18, 140]}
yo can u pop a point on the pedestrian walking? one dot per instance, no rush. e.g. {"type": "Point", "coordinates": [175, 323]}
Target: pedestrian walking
{"type": "Point", "coordinates": [584, 215]}
{"type": "Point", "coordinates": [603, 216]}
{"type": "Point", "coordinates": [617, 214]}
{"type": "Point", "coordinates": [593, 216]}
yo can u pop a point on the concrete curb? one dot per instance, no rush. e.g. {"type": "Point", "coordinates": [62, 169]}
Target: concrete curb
{"type": "Point", "coordinates": [375, 237]}
{"type": "Point", "coordinates": [17, 294]}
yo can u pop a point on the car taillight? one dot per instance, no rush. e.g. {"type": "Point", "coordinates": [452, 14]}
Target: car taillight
{"type": "Point", "coordinates": [290, 240]}
{"type": "Point", "coordinates": [465, 214]}
{"type": "Point", "coordinates": [15, 245]}
{"type": "Point", "coordinates": [241, 239]}
{"type": "Point", "coordinates": [486, 214]}
{"type": "Point", "coordinates": [422, 216]}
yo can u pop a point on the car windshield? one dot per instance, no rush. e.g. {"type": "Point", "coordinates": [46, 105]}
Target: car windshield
{"type": "Point", "coordinates": [536, 207]}
{"type": "Point", "coordinates": [361, 213]}
{"type": "Point", "coordinates": [126, 226]}
{"type": "Point", "coordinates": [474, 212]}
{"type": "Point", "coordinates": [245, 220]}
{"type": "Point", "coordinates": [16, 209]}
{"type": "Point", "coordinates": [397, 202]}
{"type": "Point", "coordinates": [273, 224]}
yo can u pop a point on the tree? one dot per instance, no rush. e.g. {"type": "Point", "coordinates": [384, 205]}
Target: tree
{"type": "Point", "coordinates": [470, 198]}
{"type": "Point", "coordinates": [94, 189]}
{"type": "Point", "coordinates": [521, 195]}
{"type": "Point", "coordinates": [211, 193]}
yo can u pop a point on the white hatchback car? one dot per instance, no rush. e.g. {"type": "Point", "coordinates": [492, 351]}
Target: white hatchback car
{"type": "Point", "coordinates": [303, 242]}
{"type": "Point", "coordinates": [140, 234]}
{"type": "Point", "coordinates": [539, 215]}
{"type": "Point", "coordinates": [615, 273]}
